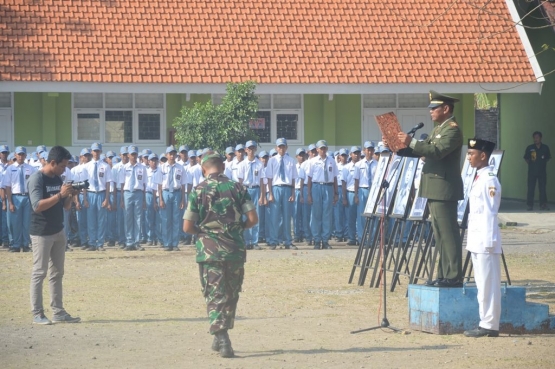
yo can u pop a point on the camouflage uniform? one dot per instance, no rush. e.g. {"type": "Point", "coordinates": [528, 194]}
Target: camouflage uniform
{"type": "Point", "coordinates": [217, 206]}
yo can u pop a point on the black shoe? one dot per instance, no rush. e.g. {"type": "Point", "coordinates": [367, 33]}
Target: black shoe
{"type": "Point", "coordinates": [248, 247]}
{"type": "Point", "coordinates": [351, 243]}
{"type": "Point", "coordinates": [175, 248]}
{"type": "Point", "coordinates": [139, 248]}
{"type": "Point", "coordinates": [169, 248]}
{"type": "Point", "coordinates": [111, 243]}
{"type": "Point", "coordinates": [130, 248]}
{"type": "Point", "coordinates": [287, 247]}
{"type": "Point", "coordinates": [155, 243]}
{"type": "Point", "coordinates": [14, 249]}
{"type": "Point", "coordinates": [68, 249]}
{"type": "Point", "coordinates": [26, 249]}
{"type": "Point", "coordinates": [85, 247]}
{"type": "Point", "coordinates": [297, 240]}
{"type": "Point", "coordinates": [90, 248]}
{"type": "Point", "coordinates": [150, 243]}
{"type": "Point", "coordinates": [481, 332]}
{"type": "Point", "coordinates": [317, 245]}
{"type": "Point", "coordinates": [293, 247]}
{"type": "Point", "coordinates": [187, 242]}
{"type": "Point", "coordinates": [433, 283]}
{"type": "Point", "coordinates": [122, 246]}
{"type": "Point", "coordinates": [256, 247]}
{"type": "Point", "coordinates": [446, 282]}
{"type": "Point", "coordinates": [310, 243]}
{"type": "Point", "coordinates": [225, 344]}
{"type": "Point", "coordinates": [326, 245]}
{"type": "Point", "coordinates": [143, 242]}
{"type": "Point", "coordinates": [272, 247]}
{"type": "Point", "coordinates": [100, 249]}
{"type": "Point", "coordinates": [261, 240]}
{"type": "Point", "coordinates": [216, 343]}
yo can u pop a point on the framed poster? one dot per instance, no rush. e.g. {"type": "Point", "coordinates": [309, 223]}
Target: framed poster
{"type": "Point", "coordinates": [392, 176]}
{"type": "Point", "coordinates": [404, 189]}
{"type": "Point", "coordinates": [377, 180]}
{"type": "Point", "coordinates": [418, 208]}
{"type": "Point", "coordinates": [495, 160]}
{"type": "Point", "coordinates": [468, 173]}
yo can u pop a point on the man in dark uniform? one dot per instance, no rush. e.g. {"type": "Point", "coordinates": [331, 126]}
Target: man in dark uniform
{"type": "Point", "coordinates": [214, 214]}
{"type": "Point", "coordinates": [537, 155]}
{"type": "Point", "coordinates": [442, 185]}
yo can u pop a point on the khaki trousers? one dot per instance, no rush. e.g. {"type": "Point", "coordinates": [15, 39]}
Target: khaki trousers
{"type": "Point", "coordinates": [48, 254]}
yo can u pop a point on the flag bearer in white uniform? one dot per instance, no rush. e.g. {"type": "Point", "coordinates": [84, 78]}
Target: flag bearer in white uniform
{"type": "Point", "coordinates": [484, 238]}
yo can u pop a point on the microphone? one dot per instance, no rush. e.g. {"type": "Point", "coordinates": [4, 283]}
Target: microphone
{"type": "Point", "coordinates": [415, 128]}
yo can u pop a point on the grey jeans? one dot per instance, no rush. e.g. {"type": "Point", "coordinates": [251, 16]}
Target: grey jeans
{"type": "Point", "coordinates": [48, 253]}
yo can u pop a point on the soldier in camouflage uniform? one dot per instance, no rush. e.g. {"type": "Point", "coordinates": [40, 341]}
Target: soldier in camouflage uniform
{"type": "Point", "coordinates": [214, 214]}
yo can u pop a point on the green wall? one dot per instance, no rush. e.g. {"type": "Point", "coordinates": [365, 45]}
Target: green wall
{"type": "Point", "coordinates": [522, 114]}
{"type": "Point", "coordinates": [337, 121]}
{"type": "Point", "coordinates": [42, 118]}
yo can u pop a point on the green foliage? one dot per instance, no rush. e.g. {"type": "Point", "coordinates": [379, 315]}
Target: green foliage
{"type": "Point", "coordinates": [218, 126]}
{"type": "Point", "coordinates": [485, 101]}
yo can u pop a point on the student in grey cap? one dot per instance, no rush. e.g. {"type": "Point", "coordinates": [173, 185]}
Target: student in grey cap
{"type": "Point", "coordinates": [350, 200]}
{"type": "Point", "coordinates": [264, 210]}
{"type": "Point", "coordinates": [133, 179]}
{"type": "Point", "coordinates": [281, 173]}
{"type": "Point", "coordinates": [363, 181]}
{"type": "Point", "coordinates": [117, 198]}
{"type": "Point", "coordinates": [229, 156]}
{"type": "Point", "coordinates": [322, 194]}
{"type": "Point", "coordinates": [299, 198]}
{"type": "Point", "coordinates": [4, 239]}
{"type": "Point", "coordinates": [19, 208]}
{"type": "Point", "coordinates": [97, 198]}
{"type": "Point", "coordinates": [232, 169]}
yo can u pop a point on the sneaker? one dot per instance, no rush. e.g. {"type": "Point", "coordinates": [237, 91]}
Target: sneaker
{"type": "Point", "coordinates": [66, 318]}
{"type": "Point", "coordinates": [41, 319]}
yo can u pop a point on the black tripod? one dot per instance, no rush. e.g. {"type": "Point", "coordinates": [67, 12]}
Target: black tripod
{"type": "Point", "coordinates": [385, 322]}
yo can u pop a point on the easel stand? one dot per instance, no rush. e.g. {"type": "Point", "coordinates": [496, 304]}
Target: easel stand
{"type": "Point", "coordinates": [385, 321]}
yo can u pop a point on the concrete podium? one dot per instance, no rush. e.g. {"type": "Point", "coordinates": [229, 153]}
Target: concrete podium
{"type": "Point", "coordinates": [454, 310]}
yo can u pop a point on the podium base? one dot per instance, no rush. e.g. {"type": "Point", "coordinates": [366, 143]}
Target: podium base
{"type": "Point", "coordinates": [454, 310]}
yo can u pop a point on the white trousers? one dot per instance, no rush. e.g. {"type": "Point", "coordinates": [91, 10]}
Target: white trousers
{"type": "Point", "coordinates": [487, 274]}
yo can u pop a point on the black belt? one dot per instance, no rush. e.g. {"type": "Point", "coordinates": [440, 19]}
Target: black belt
{"type": "Point", "coordinates": [282, 185]}
{"type": "Point", "coordinates": [324, 183]}
{"type": "Point", "coordinates": [96, 191]}
{"type": "Point", "coordinates": [252, 186]}
{"type": "Point", "coordinates": [364, 187]}
{"type": "Point", "coordinates": [149, 191]}
{"type": "Point", "coordinates": [133, 191]}
{"type": "Point", "coordinates": [19, 194]}
{"type": "Point", "coordinates": [350, 191]}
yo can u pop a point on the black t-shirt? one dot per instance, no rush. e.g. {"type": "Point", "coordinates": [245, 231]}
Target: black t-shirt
{"type": "Point", "coordinates": [50, 221]}
{"type": "Point", "coordinates": [537, 159]}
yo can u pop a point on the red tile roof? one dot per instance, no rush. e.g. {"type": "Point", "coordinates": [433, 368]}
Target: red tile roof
{"type": "Point", "coordinates": [270, 41]}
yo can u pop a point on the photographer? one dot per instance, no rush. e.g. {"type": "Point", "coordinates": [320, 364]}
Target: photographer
{"type": "Point", "coordinates": [49, 196]}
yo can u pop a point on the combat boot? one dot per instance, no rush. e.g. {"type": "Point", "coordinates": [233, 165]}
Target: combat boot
{"type": "Point", "coordinates": [216, 343]}
{"type": "Point", "coordinates": [225, 344]}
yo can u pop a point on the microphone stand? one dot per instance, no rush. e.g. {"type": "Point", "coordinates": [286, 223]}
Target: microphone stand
{"type": "Point", "coordinates": [385, 322]}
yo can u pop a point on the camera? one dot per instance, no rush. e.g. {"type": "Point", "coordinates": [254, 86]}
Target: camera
{"type": "Point", "coordinates": [78, 186]}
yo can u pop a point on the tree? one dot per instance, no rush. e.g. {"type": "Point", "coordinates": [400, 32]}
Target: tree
{"type": "Point", "coordinates": [218, 126]}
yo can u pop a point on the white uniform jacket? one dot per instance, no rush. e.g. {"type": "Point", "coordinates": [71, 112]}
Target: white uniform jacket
{"type": "Point", "coordinates": [484, 236]}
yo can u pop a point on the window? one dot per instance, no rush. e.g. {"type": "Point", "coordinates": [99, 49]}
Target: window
{"type": "Point", "coordinates": [5, 99]}
{"type": "Point", "coordinates": [393, 101]}
{"type": "Point", "coordinates": [277, 116]}
{"type": "Point", "coordinates": [118, 118]}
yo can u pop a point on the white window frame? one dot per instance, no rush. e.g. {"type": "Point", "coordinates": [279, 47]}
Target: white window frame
{"type": "Point", "coordinates": [273, 113]}
{"type": "Point", "coordinates": [102, 113]}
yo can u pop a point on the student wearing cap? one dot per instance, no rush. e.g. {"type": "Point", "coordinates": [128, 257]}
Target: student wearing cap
{"type": "Point", "coordinates": [144, 161]}
{"type": "Point", "coordinates": [232, 169]}
{"type": "Point", "coordinates": [441, 184]}
{"type": "Point", "coordinates": [220, 246]}
{"type": "Point", "coordinates": [117, 198]}
{"type": "Point", "coordinates": [19, 208]}
{"type": "Point", "coordinates": [249, 173]}
{"type": "Point", "coordinates": [281, 173]}
{"type": "Point", "coordinates": [4, 163]}
{"type": "Point", "coordinates": [363, 181]}
{"type": "Point", "coordinates": [171, 180]}
{"type": "Point", "coordinates": [484, 238]}
{"type": "Point", "coordinates": [340, 211]}
{"type": "Point", "coordinates": [97, 198]}
{"type": "Point", "coordinates": [307, 208]}
{"type": "Point", "coordinates": [78, 176]}
{"type": "Point", "coordinates": [299, 199]}
{"type": "Point", "coordinates": [183, 158]}
{"type": "Point", "coordinates": [229, 156]}
{"type": "Point", "coordinates": [133, 179]}
{"type": "Point", "coordinates": [322, 195]}
{"type": "Point", "coordinates": [350, 199]}
{"type": "Point", "coordinates": [151, 198]}
{"type": "Point", "coordinates": [111, 230]}
{"type": "Point", "coordinates": [194, 170]}
{"type": "Point", "coordinates": [35, 161]}
{"type": "Point", "coordinates": [264, 209]}
{"type": "Point", "coordinates": [536, 156]}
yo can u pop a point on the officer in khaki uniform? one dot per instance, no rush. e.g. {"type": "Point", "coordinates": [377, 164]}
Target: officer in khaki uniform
{"type": "Point", "coordinates": [442, 185]}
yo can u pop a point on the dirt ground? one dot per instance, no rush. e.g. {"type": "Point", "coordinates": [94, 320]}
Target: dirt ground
{"type": "Point", "coordinates": [145, 310]}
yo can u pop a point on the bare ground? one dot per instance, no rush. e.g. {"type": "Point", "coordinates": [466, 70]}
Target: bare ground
{"type": "Point", "coordinates": [145, 310]}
